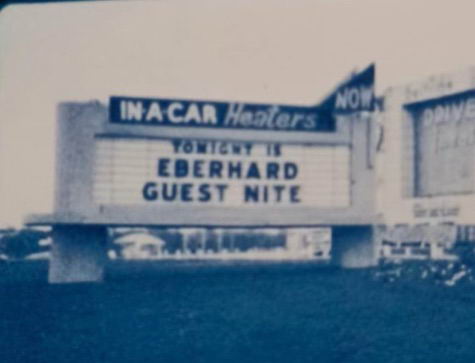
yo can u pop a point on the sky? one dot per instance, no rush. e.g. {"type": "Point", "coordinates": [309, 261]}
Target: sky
{"type": "Point", "coordinates": [291, 52]}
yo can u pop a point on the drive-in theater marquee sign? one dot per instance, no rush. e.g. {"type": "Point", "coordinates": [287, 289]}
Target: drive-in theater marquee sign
{"type": "Point", "coordinates": [174, 162]}
{"type": "Point", "coordinates": [157, 161]}
{"type": "Point", "coordinates": [219, 171]}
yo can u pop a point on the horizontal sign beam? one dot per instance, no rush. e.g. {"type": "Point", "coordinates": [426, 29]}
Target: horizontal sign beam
{"type": "Point", "coordinates": [354, 95]}
{"type": "Point", "coordinates": [222, 115]}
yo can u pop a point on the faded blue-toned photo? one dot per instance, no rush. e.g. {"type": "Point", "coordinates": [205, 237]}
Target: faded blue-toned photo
{"type": "Point", "coordinates": [216, 181]}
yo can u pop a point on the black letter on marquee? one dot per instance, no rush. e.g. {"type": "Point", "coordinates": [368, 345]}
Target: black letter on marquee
{"type": "Point", "coordinates": [186, 192]}
{"type": "Point", "coordinates": [163, 167]}
{"type": "Point", "coordinates": [294, 191]}
{"type": "Point", "coordinates": [169, 197]}
{"type": "Point", "coordinates": [205, 195]}
{"type": "Point", "coordinates": [215, 167]}
{"type": "Point", "coordinates": [149, 191]}
{"type": "Point", "coordinates": [221, 188]}
{"type": "Point", "coordinates": [253, 171]}
{"type": "Point", "coordinates": [198, 168]}
{"type": "Point", "coordinates": [290, 170]}
{"type": "Point", "coordinates": [187, 147]}
{"type": "Point", "coordinates": [278, 190]}
{"type": "Point", "coordinates": [272, 170]}
{"type": "Point", "coordinates": [201, 147]}
{"type": "Point", "coordinates": [181, 168]}
{"type": "Point", "coordinates": [234, 169]}
{"type": "Point", "coordinates": [176, 145]}
{"type": "Point", "coordinates": [251, 193]}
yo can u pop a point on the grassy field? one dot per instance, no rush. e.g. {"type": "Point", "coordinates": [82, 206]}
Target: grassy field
{"type": "Point", "coordinates": [178, 312]}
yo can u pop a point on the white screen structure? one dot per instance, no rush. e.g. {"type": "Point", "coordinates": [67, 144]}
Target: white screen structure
{"type": "Point", "coordinates": [140, 171]}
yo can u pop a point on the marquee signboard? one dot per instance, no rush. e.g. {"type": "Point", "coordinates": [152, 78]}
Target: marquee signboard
{"type": "Point", "coordinates": [161, 161]}
{"type": "Point", "coordinates": [219, 173]}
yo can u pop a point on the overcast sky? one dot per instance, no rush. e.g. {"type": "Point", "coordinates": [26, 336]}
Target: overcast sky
{"type": "Point", "coordinates": [290, 52]}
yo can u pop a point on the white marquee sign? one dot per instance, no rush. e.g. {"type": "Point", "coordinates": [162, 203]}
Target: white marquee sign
{"type": "Point", "coordinates": [139, 171]}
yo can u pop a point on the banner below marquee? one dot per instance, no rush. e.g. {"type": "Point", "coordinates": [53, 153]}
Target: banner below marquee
{"type": "Point", "coordinates": [355, 95]}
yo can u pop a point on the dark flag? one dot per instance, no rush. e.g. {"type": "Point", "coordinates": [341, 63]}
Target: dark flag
{"type": "Point", "coordinates": [355, 94]}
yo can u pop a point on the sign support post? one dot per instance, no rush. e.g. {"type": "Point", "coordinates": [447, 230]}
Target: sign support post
{"type": "Point", "coordinates": [79, 253]}
{"type": "Point", "coordinates": [353, 246]}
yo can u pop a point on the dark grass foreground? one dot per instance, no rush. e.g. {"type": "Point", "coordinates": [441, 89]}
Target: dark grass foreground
{"type": "Point", "coordinates": [171, 312]}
